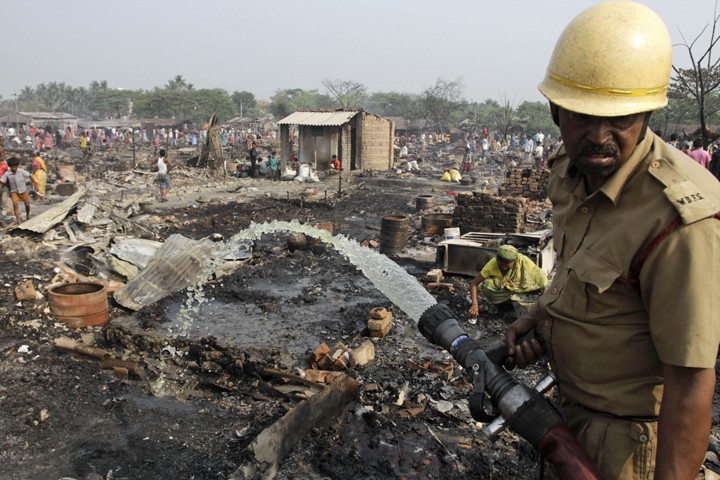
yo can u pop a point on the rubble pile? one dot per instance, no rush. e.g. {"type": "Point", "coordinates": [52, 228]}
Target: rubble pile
{"type": "Point", "coordinates": [483, 212]}
{"type": "Point", "coordinates": [240, 366]}
{"type": "Point", "coordinates": [525, 182]}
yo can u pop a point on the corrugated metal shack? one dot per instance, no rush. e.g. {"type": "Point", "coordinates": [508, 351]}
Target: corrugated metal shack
{"type": "Point", "coordinates": [55, 120]}
{"type": "Point", "coordinates": [361, 140]}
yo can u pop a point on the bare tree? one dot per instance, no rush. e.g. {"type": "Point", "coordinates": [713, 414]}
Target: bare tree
{"type": "Point", "coordinates": [441, 100]}
{"type": "Point", "coordinates": [346, 93]}
{"type": "Point", "coordinates": [703, 78]}
{"type": "Point", "coordinates": [505, 115]}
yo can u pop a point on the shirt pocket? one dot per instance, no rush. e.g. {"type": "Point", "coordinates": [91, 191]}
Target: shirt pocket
{"type": "Point", "coordinates": [588, 277]}
{"type": "Point", "coordinates": [606, 300]}
{"type": "Point", "coordinates": [593, 270]}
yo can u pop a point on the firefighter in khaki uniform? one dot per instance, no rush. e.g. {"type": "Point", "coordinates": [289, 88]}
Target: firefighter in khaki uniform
{"type": "Point", "coordinates": [630, 321]}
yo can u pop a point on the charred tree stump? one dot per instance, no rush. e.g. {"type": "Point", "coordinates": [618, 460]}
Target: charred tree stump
{"type": "Point", "coordinates": [211, 155]}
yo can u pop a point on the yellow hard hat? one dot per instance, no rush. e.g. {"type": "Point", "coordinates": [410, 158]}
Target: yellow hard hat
{"type": "Point", "coordinates": [613, 59]}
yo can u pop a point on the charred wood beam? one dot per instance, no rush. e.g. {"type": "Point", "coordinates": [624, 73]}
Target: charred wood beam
{"type": "Point", "coordinates": [277, 441]}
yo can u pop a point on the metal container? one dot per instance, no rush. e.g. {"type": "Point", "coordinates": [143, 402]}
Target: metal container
{"type": "Point", "coordinates": [80, 304]}
{"type": "Point", "coordinates": [393, 234]}
{"type": "Point", "coordinates": [422, 202]}
{"type": "Point", "coordinates": [452, 233]}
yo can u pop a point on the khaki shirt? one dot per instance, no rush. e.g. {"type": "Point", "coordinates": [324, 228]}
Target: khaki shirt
{"type": "Point", "coordinates": [606, 339]}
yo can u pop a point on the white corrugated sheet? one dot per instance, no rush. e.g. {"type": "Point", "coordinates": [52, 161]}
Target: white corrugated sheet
{"type": "Point", "coordinates": [319, 119]}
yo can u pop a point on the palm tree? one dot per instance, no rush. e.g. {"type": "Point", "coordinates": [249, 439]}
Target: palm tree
{"type": "Point", "coordinates": [178, 84]}
{"type": "Point", "coordinates": [27, 94]}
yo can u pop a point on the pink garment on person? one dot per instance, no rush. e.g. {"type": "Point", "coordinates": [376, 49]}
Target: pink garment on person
{"type": "Point", "coordinates": [701, 156]}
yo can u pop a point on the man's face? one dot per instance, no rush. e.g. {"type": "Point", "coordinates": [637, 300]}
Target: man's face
{"type": "Point", "coordinates": [598, 146]}
{"type": "Point", "coordinates": [14, 168]}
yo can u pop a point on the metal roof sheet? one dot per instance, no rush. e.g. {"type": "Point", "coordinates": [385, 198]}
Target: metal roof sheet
{"type": "Point", "coordinates": [318, 119]}
{"type": "Point", "coordinates": [49, 115]}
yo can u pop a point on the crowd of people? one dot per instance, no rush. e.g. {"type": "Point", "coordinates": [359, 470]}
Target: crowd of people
{"type": "Point", "coordinates": [535, 147]}
{"type": "Point", "coordinates": [708, 157]}
{"type": "Point", "coordinates": [44, 140]}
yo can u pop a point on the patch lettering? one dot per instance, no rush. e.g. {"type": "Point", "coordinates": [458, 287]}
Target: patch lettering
{"type": "Point", "coordinates": [688, 199]}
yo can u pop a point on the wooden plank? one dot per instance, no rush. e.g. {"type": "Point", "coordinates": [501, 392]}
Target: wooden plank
{"type": "Point", "coordinates": [69, 231]}
{"type": "Point", "coordinates": [277, 441]}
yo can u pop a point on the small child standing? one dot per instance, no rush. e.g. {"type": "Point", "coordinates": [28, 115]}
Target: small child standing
{"type": "Point", "coordinates": [274, 170]}
{"type": "Point", "coordinates": [163, 177]}
{"type": "Point", "coordinates": [16, 179]}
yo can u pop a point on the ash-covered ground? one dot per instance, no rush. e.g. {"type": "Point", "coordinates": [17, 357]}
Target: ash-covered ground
{"type": "Point", "coordinates": [207, 383]}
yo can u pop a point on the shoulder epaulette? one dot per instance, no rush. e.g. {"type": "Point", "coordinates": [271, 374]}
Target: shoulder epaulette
{"type": "Point", "coordinates": [686, 190]}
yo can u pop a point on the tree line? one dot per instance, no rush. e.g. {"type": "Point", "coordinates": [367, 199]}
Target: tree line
{"type": "Point", "coordinates": [439, 107]}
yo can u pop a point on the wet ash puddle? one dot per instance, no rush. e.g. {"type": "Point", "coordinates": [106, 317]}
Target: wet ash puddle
{"type": "Point", "coordinates": [296, 310]}
{"type": "Point", "coordinates": [280, 300]}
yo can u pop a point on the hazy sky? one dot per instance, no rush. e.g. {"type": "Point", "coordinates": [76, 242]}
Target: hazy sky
{"type": "Point", "coordinates": [499, 48]}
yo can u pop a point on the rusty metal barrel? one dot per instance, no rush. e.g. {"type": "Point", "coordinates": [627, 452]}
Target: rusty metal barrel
{"type": "Point", "coordinates": [393, 234]}
{"type": "Point", "coordinates": [423, 201]}
{"type": "Point", "coordinates": [80, 304]}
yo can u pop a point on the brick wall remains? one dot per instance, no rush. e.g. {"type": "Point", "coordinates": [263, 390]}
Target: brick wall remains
{"type": "Point", "coordinates": [525, 182]}
{"type": "Point", "coordinates": [479, 212]}
{"type": "Point", "coordinates": [375, 138]}
{"type": "Point", "coordinates": [345, 145]}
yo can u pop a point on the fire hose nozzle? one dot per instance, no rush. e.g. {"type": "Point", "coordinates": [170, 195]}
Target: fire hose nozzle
{"type": "Point", "coordinates": [526, 410]}
{"type": "Point", "coordinates": [492, 430]}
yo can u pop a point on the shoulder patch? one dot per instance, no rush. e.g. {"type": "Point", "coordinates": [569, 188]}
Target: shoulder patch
{"type": "Point", "coordinates": [690, 201]}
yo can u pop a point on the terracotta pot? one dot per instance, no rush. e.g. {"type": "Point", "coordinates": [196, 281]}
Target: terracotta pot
{"type": "Point", "coordinates": [79, 304]}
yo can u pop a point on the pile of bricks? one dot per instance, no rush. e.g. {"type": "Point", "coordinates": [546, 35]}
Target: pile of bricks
{"type": "Point", "coordinates": [326, 364]}
{"type": "Point", "coordinates": [334, 359]}
{"type": "Point", "coordinates": [481, 212]}
{"type": "Point", "coordinates": [525, 182]}
{"type": "Point", "coordinates": [380, 322]}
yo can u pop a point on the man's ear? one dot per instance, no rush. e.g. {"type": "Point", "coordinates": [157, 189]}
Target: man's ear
{"type": "Point", "coordinates": [555, 113]}
{"type": "Point", "coordinates": [646, 122]}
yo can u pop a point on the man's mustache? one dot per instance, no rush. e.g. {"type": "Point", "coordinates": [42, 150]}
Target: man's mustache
{"type": "Point", "coordinates": [607, 150]}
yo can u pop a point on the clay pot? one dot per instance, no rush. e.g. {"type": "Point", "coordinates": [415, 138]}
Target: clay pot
{"type": "Point", "coordinates": [80, 304]}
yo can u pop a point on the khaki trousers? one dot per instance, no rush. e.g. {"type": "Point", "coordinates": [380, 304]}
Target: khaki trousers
{"type": "Point", "coordinates": [622, 449]}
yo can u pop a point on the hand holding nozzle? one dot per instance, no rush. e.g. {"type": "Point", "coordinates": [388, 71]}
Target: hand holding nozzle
{"type": "Point", "coordinates": [527, 411]}
{"type": "Point", "coordinates": [523, 349]}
